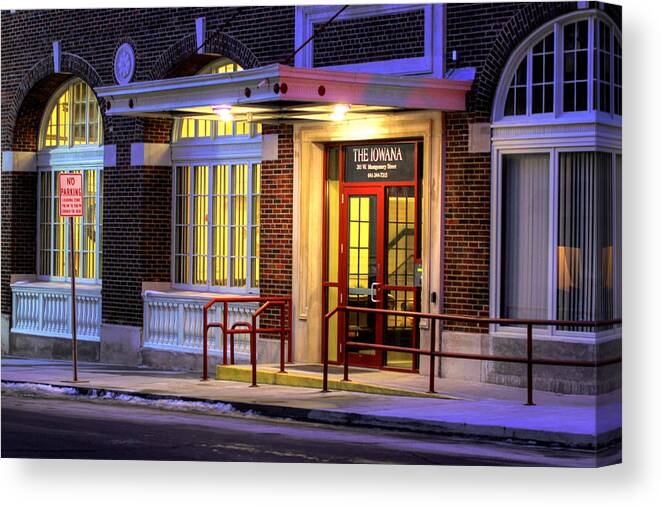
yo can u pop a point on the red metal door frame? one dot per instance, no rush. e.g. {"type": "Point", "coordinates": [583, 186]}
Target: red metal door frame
{"type": "Point", "coordinates": [373, 188]}
{"type": "Point", "coordinates": [375, 360]}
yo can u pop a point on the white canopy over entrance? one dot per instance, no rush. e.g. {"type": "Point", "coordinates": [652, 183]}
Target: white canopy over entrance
{"type": "Point", "coordinates": [278, 92]}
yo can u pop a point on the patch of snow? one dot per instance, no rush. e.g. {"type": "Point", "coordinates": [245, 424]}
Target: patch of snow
{"type": "Point", "coordinates": [42, 389]}
{"type": "Point", "coordinates": [21, 388]}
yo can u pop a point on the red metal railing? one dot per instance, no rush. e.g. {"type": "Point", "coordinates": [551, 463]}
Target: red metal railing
{"type": "Point", "coordinates": [284, 303]}
{"type": "Point", "coordinates": [528, 360]}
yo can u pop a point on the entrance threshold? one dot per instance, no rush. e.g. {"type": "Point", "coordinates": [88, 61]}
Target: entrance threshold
{"type": "Point", "coordinates": [363, 380]}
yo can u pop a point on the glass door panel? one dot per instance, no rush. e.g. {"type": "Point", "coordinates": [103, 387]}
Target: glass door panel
{"type": "Point", "coordinates": [400, 293]}
{"type": "Point", "coordinates": [362, 270]}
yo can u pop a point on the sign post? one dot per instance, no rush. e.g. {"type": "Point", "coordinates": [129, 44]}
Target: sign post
{"type": "Point", "coordinates": [71, 205]}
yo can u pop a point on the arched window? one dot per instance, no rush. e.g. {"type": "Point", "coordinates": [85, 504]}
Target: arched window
{"type": "Point", "coordinates": [194, 129]}
{"type": "Point", "coordinates": [556, 178]}
{"type": "Point", "coordinates": [216, 209]}
{"type": "Point", "coordinates": [572, 65]}
{"type": "Point", "coordinates": [70, 141]}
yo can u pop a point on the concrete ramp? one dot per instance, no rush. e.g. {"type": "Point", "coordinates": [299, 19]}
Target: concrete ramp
{"type": "Point", "coordinates": [308, 377]}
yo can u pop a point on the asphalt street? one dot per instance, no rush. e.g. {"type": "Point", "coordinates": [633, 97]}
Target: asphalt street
{"type": "Point", "coordinates": [72, 428]}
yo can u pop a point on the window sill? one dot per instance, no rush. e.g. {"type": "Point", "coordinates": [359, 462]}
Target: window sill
{"type": "Point", "coordinates": [92, 289]}
{"type": "Point", "coordinates": [544, 335]}
{"type": "Point", "coordinates": [189, 294]}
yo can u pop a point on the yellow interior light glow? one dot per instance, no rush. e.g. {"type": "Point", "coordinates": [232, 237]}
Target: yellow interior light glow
{"type": "Point", "coordinates": [224, 112]}
{"type": "Point", "coordinates": [339, 111]}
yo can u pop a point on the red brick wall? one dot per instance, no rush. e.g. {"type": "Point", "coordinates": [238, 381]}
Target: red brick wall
{"type": "Point", "coordinates": [277, 205]}
{"type": "Point", "coordinates": [19, 229]}
{"type": "Point", "coordinates": [137, 212]}
{"type": "Point", "coordinates": [467, 224]}
{"type": "Point", "coordinates": [374, 38]}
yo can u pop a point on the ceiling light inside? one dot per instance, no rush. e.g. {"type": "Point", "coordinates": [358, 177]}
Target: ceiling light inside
{"type": "Point", "coordinates": [339, 111]}
{"type": "Point", "coordinates": [224, 112]}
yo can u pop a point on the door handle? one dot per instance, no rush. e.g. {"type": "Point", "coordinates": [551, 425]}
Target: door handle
{"type": "Point", "coordinates": [373, 288]}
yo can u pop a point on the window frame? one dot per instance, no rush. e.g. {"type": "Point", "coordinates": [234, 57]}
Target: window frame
{"type": "Point", "coordinates": [55, 170]}
{"type": "Point", "coordinates": [248, 289]}
{"type": "Point", "coordinates": [432, 64]}
{"type": "Point", "coordinates": [211, 151]}
{"type": "Point", "coordinates": [76, 158]}
{"type": "Point", "coordinates": [68, 86]}
{"type": "Point", "coordinates": [558, 115]}
{"type": "Point", "coordinates": [254, 132]}
{"type": "Point", "coordinates": [550, 332]}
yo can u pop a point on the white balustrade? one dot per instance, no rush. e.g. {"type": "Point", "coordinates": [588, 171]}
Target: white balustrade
{"type": "Point", "coordinates": [175, 322]}
{"type": "Point", "coordinates": [44, 309]}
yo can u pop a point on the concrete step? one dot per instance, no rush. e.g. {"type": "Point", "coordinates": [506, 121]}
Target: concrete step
{"type": "Point", "coordinates": [293, 378]}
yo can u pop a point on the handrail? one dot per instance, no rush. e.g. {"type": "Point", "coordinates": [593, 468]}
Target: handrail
{"type": "Point", "coordinates": [528, 360]}
{"type": "Point", "coordinates": [285, 330]}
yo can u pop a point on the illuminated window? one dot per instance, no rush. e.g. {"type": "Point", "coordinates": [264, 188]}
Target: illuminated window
{"type": "Point", "coordinates": [72, 122]}
{"type": "Point", "coordinates": [196, 129]}
{"type": "Point", "coordinates": [216, 211]}
{"type": "Point", "coordinates": [74, 118]}
{"type": "Point", "coordinates": [216, 229]}
{"type": "Point", "coordinates": [54, 230]}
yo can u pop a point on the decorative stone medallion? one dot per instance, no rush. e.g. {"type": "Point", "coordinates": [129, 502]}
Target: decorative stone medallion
{"type": "Point", "coordinates": [124, 63]}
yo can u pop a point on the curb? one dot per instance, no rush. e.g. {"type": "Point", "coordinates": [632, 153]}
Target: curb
{"type": "Point", "coordinates": [524, 436]}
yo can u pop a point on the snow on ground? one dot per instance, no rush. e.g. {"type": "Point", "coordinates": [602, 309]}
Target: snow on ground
{"type": "Point", "coordinates": [43, 390]}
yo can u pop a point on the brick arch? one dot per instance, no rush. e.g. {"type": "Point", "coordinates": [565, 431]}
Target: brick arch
{"type": "Point", "coordinates": [182, 59]}
{"type": "Point", "coordinates": [37, 86]}
{"type": "Point", "coordinates": [172, 62]}
{"type": "Point", "coordinates": [518, 28]}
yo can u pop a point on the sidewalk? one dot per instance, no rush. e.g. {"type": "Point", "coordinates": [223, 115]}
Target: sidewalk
{"type": "Point", "coordinates": [483, 410]}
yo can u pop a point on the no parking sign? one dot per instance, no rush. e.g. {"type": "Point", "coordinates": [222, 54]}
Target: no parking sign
{"type": "Point", "coordinates": [71, 205]}
{"type": "Point", "coordinates": [71, 195]}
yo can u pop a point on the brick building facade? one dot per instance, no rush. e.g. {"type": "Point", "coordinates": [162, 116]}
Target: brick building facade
{"type": "Point", "coordinates": [457, 43]}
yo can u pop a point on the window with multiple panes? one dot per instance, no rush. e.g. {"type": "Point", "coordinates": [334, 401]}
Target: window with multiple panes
{"type": "Point", "coordinates": [73, 123]}
{"type": "Point", "coordinates": [558, 200]}
{"type": "Point", "coordinates": [216, 215]}
{"type": "Point", "coordinates": [196, 128]}
{"type": "Point", "coordinates": [216, 227]}
{"type": "Point", "coordinates": [74, 118]}
{"type": "Point", "coordinates": [559, 235]}
{"type": "Point", "coordinates": [587, 54]}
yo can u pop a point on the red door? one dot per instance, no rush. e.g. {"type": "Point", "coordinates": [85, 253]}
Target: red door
{"type": "Point", "coordinates": [371, 250]}
{"type": "Point", "coordinates": [361, 270]}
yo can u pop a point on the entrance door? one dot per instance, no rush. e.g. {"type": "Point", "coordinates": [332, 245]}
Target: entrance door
{"type": "Point", "coordinates": [372, 251]}
{"type": "Point", "coordinates": [361, 258]}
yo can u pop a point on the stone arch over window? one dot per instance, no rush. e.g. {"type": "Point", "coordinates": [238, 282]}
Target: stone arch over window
{"type": "Point", "coordinates": [32, 94]}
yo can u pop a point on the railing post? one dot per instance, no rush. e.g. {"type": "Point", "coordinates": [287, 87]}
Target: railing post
{"type": "Point", "coordinates": [282, 338]}
{"type": "Point", "coordinates": [345, 351]}
{"type": "Point", "coordinates": [324, 354]}
{"type": "Point", "coordinates": [225, 333]}
{"type": "Point", "coordinates": [253, 351]}
{"type": "Point", "coordinates": [205, 370]}
{"type": "Point", "coordinates": [529, 355]}
{"type": "Point", "coordinates": [440, 348]}
{"type": "Point", "coordinates": [289, 317]}
{"type": "Point", "coordinates": [432, 357]}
